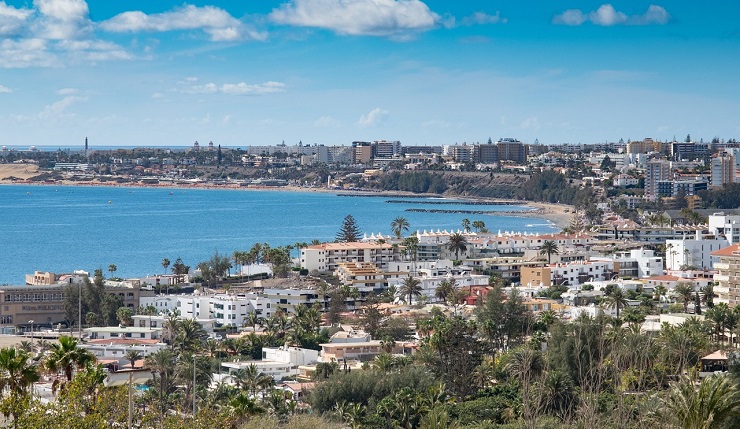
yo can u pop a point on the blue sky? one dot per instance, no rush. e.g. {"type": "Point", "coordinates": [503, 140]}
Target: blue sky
{"type": "Point", "coordinates": [239, 73]}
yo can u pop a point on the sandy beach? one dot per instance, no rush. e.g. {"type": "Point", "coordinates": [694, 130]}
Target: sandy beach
{"type": "Point", "coordinates": [19, 174]}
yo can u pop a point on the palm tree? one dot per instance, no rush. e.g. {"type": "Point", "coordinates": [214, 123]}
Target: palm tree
{"type": "Point", "coordinates": [707, 294]}
{"type": "Point", "coordinates": [410, 287]}
{"type": "Point", "coordinates": [112, 269]}
{"type": "Point", "coordinates": [190, 336]}
{"type": "Point", "coordinates": [165, 264]}
{"type": "Point", "coordinates": [616, 299]}
{"type": "Point", "coordinates": [549, 248]}
{"type": "Point", "coordinates": [458, 243]}
{"type": "Point", "coordinates": [465, 225]}
{"type": "Point", "coordinates": [16, 374]}
{"type": "Point", "coordinates": [479, 226]}
{"type": "Point", "coordinates": [660, 292]}
{"type": "Point", "coordinates": [65, 356]}
{"type": "Point", "coordinates": [242, 406]}
{"type": "Point", "coordinates": [684, 292]}
{"type": "Point", "coordinates": [399, 225]}
{"type": "Point", "coordinates": [132, 356]}
{"type": "Point", "coordinates": [445, 289]}
{"type": "Point", "coordinates": [713, 404]}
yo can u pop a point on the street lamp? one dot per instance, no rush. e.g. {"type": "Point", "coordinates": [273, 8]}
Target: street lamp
{"type": "Point", "coordinates": [31, 322]}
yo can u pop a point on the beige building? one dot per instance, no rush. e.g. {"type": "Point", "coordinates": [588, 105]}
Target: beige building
{"type": "Point", "coordinates": [363, 275]}
{"type": "Point", "coordinates": [19, 305]}
{"type": "Point", "coordinates": [572, 274]}
{"type": "Point", "coordinates": [728, 275]}
{"type": "Point", "coordinates": [38, 278]}
{"type": "Point", "coordinates": [326, 257]}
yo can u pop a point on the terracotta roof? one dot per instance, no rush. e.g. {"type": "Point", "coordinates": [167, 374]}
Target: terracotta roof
{"type": "Point", "coordinates": [728, 251]}
{"type": "Point", "coordinates": [664, 278]}
{"type": "Point", "coordinates": [123, 341]}
{"type": "Point", "coordinates": [356, 245]}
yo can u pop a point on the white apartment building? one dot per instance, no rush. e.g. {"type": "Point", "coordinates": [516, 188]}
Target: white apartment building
{"type": "Point", "coordinates": [635, 263]}
{"type": "Point", "coordinates": [725, 225]}
{"type": "Point", "coordinates": [289, 299]}
{"type": "Point", "coordinates": [572, 274]}
{"type": "Point", "coordinates": [226, 310]}
{"type": "Point", "coordinates": [517, 242]}
{"type": "Point", "coordinates": [277, 362]}
{"type": "Point", "coordinates": [430, 283]}
{"type": "Point", "coordinates": [695, 253]}
{"type": "Point", "coordinates": [325, 257]}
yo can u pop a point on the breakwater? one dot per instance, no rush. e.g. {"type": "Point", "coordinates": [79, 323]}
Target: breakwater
{"type": "Point", "coordinates": [483, 212]}
{"type": "Point", "coordinates": [457, 203]}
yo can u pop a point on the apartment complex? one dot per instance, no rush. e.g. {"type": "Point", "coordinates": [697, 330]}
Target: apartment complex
{"type": "Point", "coordinates": [326, 257]}
{"type": "Point", "coordinates": [727, 275]}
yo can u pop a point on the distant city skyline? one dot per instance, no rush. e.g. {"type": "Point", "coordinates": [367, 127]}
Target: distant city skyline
{"type": "Point", "coordinates": [168, 73]}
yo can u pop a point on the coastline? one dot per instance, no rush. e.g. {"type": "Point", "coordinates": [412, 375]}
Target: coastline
{"type": "Point", "coordinates": [553, 213]}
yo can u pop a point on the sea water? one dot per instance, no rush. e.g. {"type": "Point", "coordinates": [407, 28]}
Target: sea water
{"type": "Point", "coordinates": [65, 228]}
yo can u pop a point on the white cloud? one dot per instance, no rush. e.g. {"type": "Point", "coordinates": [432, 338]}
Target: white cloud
{"type": "Point", "coordinates": [482, 18]}
{"type": "Point", "coordinates": [5, 90]}
{"type": "Point", "coordinates": [59, 108]}
{"type": "Point", "coordinates": [217, 23]}
{"type": "Point", "coordinates": [326, 122]}
{"type": "Point", "coordinates": [12, 20]}
{"type": "Point", "coordinates": [570, 17]}
{"type": "Point", "coordinates": [94, 50]}
{"type": "Point", "coordinates": [530, 123]}
{"type": "Point", "coordinates": [67, 91]}
{"type": "Point", "coordinates": [372, 118]}
{"type": "Point", "coordinates": [241, 88]}
{"type": "Point", "coordinates": [26, 53]}
{"type": "Point", "coordinates": [358, 17]}
{"type": "Point", "coordinates": [226, 119]}
{"type": "Point", "coordinates": [607, 15]}
{"type": "Point", "coordinates": [654, 15]}
{"type": "Point", "coordinates": [62, 19]}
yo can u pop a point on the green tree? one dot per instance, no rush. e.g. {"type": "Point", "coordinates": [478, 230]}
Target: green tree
{"type": "Point", "coordinates": [503, 321]}
{"type": "Point", "coordinates": [711, 406]}
{"type": "Point", "coordinates": [112, 269]}
{"type": "Point", "coordinates": [549, 248]}
{"type": "Point", "coordinates": [17, 374]}
{"type": "Point", "coordinates": [410, 288]}
{"type": "Point", "coordinates": [124, 315]}
{"type": "Point", "coordinates": [479, 226]}
{"type": "Point", "coordinates": [465, 225]}
{"type": "Point", "coordinates": [132, 356]}
{"type": "Point", "coordinates": [457, 243]}
{"type": "Point", "coordinates": [349, 232]}
{"type": "Point", "coordinates": [165, 264]}
{"type": "Point", "coordinates": [685, 293]}
{"type": "Point", "coordinates": [65, 356]}
{"type": "Point", "coordinates": [399, 226]}
{"type": "Point", "coordinates": [616, 299]}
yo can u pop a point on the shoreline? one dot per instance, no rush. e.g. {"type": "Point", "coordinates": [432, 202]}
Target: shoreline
{"type": "Point", "coordinates": [555, 214]}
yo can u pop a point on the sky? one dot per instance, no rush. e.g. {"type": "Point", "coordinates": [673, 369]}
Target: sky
{"type": "Point", "coordinates": [260, 72]}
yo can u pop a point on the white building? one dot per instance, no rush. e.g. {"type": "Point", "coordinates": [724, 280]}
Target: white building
{"type": "Point", "coordinates": [695, 253]}
{"type": "Point", "coordinates": [635, 263]}
{"type": "Point", "coordinates": [725, 225]}
{"type": "Point", "coordinates": [226, 310]}
{"type": "Point", "coordinates": [326, 257]}
{"type": "Point", "coordinates": [277, 362]}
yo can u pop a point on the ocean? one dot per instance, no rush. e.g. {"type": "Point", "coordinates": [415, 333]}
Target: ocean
{"type": "Point", "coordinates": [66, 228]}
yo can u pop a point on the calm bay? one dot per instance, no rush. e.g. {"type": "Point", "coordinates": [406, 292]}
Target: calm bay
{"type": "Point", "coordinates": [63, 228]}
